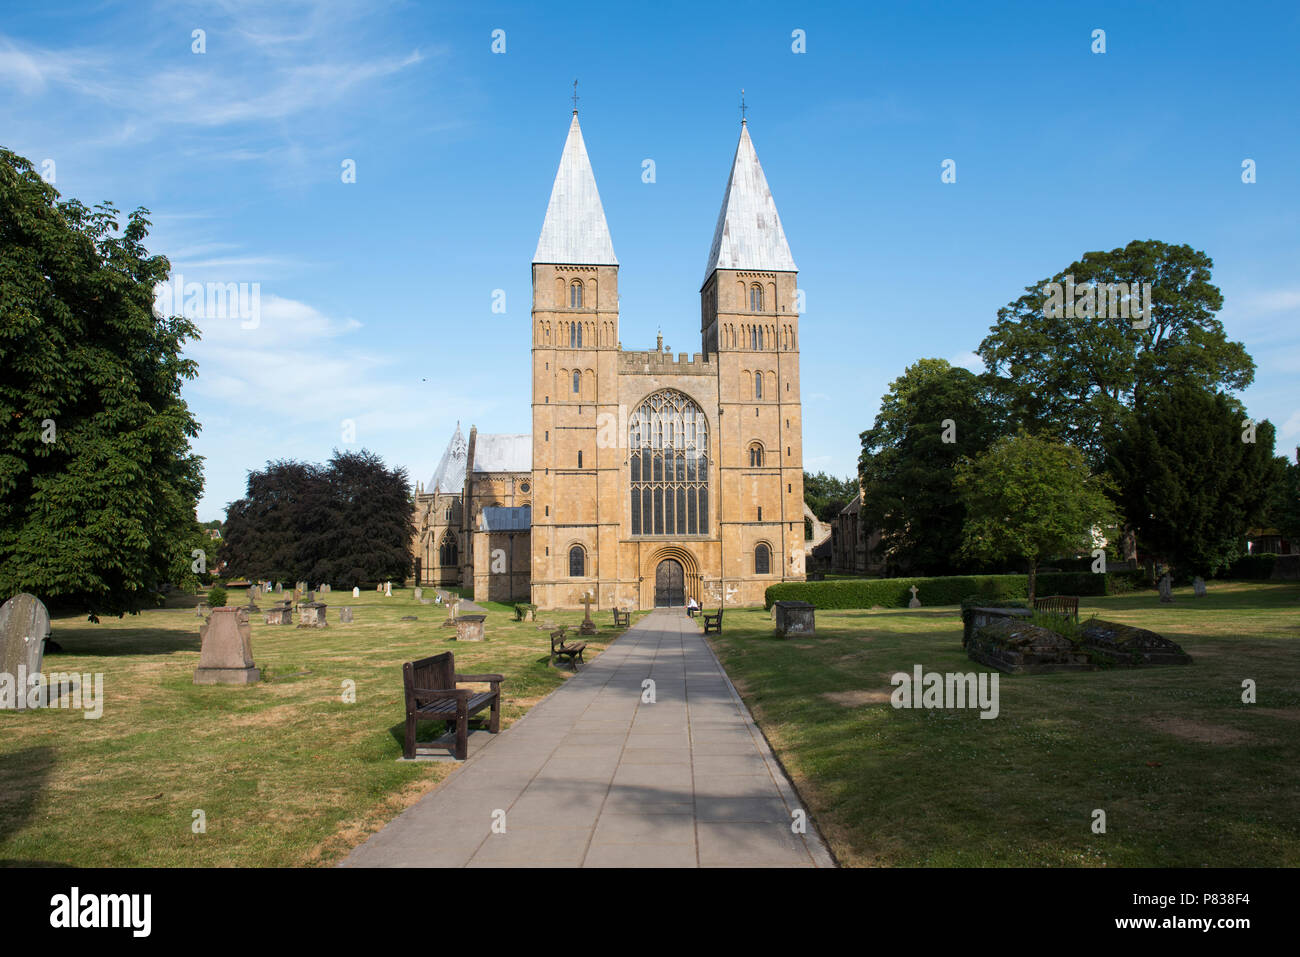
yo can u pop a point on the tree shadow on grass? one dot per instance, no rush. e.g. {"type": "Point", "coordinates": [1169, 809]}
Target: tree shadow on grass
{"type": "Point", "coordinates": [77, 637]}
{"type": "Point", "coordinates": [23, 778]}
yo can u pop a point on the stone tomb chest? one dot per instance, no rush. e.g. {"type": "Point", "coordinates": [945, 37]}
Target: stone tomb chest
{"type": "Point", "coordinates": [470, 627]}
{"type": "Point", "coordinates": [794, 618]}
{"type": "Point", "coordinates": [311, 614]}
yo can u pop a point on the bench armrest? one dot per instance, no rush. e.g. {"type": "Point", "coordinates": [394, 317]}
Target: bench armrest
{"type": "Point", "coordinates": [494, 679]}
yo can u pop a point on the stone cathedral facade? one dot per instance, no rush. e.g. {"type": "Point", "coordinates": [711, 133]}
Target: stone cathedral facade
{"type": "Point", "coordinates": [652, 478]}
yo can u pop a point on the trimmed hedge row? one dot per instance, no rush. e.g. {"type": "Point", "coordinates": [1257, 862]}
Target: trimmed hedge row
{"type": "Point", "coordinates": [950, 590]}
{"type": "Point", "coordinates": [1251, 567]}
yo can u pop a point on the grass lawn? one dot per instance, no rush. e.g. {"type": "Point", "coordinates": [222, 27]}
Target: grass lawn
{"type": "Point", "coordinates": [285, 772]}
{"type": "Point", "coordinates": [1187, 774]}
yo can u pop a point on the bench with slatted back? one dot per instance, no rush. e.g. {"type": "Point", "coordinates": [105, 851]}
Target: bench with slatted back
{"type": "Point", "coordinates": [1065, 605]}
{"type": "Point", "coordinates": [432, 695]}
{"type": "Point", "coordinates": [622, 618]}
{"type": "Point", "coordinates": [561, 648]}
{"type": "Point", "coordinates": [713, 622]}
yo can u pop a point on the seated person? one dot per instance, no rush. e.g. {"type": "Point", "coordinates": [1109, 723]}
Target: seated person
{"type": "Point", "coordinates": [692, 606]}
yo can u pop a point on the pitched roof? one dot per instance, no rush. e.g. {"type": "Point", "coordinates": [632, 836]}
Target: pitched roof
{"type": "Point", "coordinates": [449, 476]}
{"type": "Point", "coordinates": [503, 453]}
{"type": "Point", "coordinates": [575, 230]}
{"type": "Point", "coordinates": [502, 518]}
{"type": "Point", "coordinates": [749, 233]}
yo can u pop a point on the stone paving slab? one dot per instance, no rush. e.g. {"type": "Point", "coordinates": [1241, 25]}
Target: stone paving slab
{"type": "Point", "coordinates": [594, 776]}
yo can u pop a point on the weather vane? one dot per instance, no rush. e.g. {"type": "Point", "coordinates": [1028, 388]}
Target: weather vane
{"type": "Point", "coordinates": [743, 107]}
{"type": "Point", "coordinates": [575, 96]}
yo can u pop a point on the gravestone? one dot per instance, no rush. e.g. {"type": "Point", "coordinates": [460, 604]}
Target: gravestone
{"type": "Point", "coordinates": [279, 588]}
{"type": "Point", "coordinates": [979, 616]}
{"type": "Point", "coordinates": [226, 652]}
{"type": "Point", "coordinates": [311, 596]}
{"type": "Point", "coordinates": [312, 615]}
{"type": "Point", "coordinates": [588, 626]}
{"type": "Point", "coordinates": [1021, 647]}
{"type": "Point", "coordinates": [356, 592]}
{"type": "Point", "coordinates": [1125, 646]}
{"type": "Point", "coordinates": [254, 593]}
{"type": "Point", "coordinates": [301, 587]}
{"type": "Point", "coordinates": [24, 627]}
{"type": "Point", "coordinates": [470, 627]}
{"type": "Point", "coordinates": [794, 618]}
{"type": "Point", "coordinates": [388, 589]}
{"type": "Point", "coordinates": [453, 608]}
{"type": "Point", "coordinates": [1198, 586]}
{"type": "Point", "coordinates": [280, 614]}
{"type": "Point", "coordinates": [419, 593]}
{"type": "Point", "coordinates": [915, 602]}
{"type": "Point", "coordinates": [202, 610]}
{"type": "Point", "coordinates": [326, 588]}
{"type": "Point", "coordinates": [345, 616]}
{"type": "Point", "coordinates": [1166, 588]}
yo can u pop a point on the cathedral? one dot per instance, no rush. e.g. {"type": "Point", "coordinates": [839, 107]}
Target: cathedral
{"type": "Point", "coordinates": [648, 479]}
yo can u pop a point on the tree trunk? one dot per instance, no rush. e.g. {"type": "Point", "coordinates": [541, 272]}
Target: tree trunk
{"type": "Point", "coordinates": [1033, 579]}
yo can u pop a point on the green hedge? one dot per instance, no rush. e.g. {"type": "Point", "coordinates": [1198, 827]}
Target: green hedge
{"type": "Point", "coordinates": [1251, 567]}
{"type": "Point", "coordinates": [951, 590]}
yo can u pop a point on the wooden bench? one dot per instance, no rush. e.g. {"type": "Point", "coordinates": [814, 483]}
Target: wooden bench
{"type": "Point", "coordinates": [432, 695]}
{"type": "Point", "coordinates": [622, 618]}
{"type": "Point", "coordinates": [712, 622]}
{"type": "Point", "coordinates": [560, 648]}
{"type": "Point", "coordinates": [1065, 605]}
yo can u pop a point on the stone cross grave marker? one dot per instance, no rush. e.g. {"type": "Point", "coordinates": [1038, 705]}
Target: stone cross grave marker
{"type": "Point", "coordinates": [915, 602]}
{"type": "Point", "coordinates": [588, 626]}
{"type": "Point", "coordinates": [388, 589]}
{"type": "Point", "coordinates": [24, 626]}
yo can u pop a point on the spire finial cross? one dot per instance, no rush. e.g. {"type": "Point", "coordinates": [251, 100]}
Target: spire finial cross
{"type": "Point", "coordinates": [743, 107]}
{"type": "Point", "coordinates": [575, 96]}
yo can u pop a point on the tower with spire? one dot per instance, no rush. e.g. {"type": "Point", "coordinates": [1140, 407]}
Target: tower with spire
{"type": "Point", "coordinates": [659, 478]}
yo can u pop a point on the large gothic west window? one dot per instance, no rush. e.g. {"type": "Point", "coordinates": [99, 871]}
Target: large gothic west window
{"type": "Point", "coordinates": [668, 458]}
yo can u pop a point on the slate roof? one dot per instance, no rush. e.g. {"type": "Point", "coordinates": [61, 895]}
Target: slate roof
{"type": "Point", "coordinates": [503, 453]}
{"type": "Point", "coordinates": [749, 233]}
{"type": "Point", "coordinates": [500, 518]}
{"type": "Point", "coordinates": [575, 231]}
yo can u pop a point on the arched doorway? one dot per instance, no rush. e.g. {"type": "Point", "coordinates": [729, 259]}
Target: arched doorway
{"type": "Point", "coordinates": [670, 584]}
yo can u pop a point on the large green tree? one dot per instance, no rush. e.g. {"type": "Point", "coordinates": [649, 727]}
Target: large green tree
{"type": "Point", "coordinates": [1193, 476]}
{"type": "Point", "coordinates": [1284, 508]}
{"type": "Point", "coordinates": [98, 484]}
{"type": "Point", "coordinates": [1030, 497]}
{"type": "Point", "coordinates": [346, 522]}
{"type": "Point", "coordinates": [1075, 377]}
{"type": "Point", "coordinates": [934, 415]}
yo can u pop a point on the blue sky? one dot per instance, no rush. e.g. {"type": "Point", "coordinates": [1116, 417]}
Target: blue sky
{"type": "Point", "coordinates": [376, 295]}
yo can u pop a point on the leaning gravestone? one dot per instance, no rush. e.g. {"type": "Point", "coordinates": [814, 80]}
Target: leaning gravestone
{"type": "Point", "coordinates": [1198, 586]}
{"type": "Point", "coordinates": [345, 616]}
{"type": "Point", "coordinates": [24, 626]}
{"type": "Point", "coordinates": [226, 655]}
{"type": "Point", "coordinates": [1166, 588]}
{"type": "Point", "coordinates": [915, 602]}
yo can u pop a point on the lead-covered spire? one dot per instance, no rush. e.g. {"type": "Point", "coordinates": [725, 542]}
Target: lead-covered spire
{"type": "Point", "coordinates": [749, 233]}
{"type": "Point", "coordinates": [575, 231]}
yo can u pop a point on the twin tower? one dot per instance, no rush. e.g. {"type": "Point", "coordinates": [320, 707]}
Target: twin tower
{"type": "Point", "coordinates": [657, 479]}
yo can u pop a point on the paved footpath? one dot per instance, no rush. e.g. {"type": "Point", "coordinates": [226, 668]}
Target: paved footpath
{"type": "Point", "coordinates": [593, 776]}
